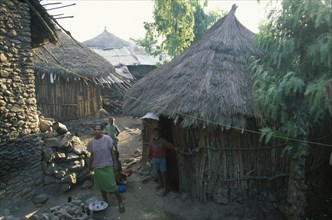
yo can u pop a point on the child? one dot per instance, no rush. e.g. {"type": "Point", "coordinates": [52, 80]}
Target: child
{"type": "Point", "coordinates": [113, 131]}
{"type": "Point", "coordinates": [157, 153]}
{"type": "Point", "coordinates": [121, 175]}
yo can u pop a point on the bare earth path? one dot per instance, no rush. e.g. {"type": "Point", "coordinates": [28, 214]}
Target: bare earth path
{"type": "Point", "coordinates": [141, 199]}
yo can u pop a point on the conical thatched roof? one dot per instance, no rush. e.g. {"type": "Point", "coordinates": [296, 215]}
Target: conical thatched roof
{"type": "Point", "coordinates": [106, 41]}
{"type": "Point", "coordinates": [119, 52]}
{"type": "Point", "coordinates": [73, 60]}
{"type": "Point", "coordinates": [208, 84]}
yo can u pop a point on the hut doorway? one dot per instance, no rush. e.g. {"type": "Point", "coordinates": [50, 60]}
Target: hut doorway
{"type": "Point", "coordinates": [172, 164]}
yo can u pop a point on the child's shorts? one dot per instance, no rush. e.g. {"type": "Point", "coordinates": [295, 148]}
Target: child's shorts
{"type": "Point", "coordinates": [159, 164]}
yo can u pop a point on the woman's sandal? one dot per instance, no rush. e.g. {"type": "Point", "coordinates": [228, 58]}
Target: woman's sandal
{"type": "Point", "coordinates": [122, 208]}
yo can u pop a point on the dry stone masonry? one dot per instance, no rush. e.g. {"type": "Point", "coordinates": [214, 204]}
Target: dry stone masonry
{"type": "Point", "coordinates": [33, 164]}
{"type": "Point", "coordinates": [20, 156]}
{"type": "Point", "coordinates": [17, 90]}
{"type": "Point", "coordinates": [64, 158]}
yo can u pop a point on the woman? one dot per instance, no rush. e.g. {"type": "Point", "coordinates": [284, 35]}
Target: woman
{"type": "Point", "coordinates": [102, 160]}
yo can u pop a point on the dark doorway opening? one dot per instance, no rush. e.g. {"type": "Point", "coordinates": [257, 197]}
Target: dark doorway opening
{"type": "Point", "coordinates": [172, 163]}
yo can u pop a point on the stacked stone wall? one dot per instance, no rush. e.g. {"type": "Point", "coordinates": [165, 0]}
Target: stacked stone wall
{"type": "Point", "coordinates": [20, 146]}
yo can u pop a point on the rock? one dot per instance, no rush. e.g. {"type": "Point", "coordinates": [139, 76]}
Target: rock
{"type": "Point", "coordinates": [71, 179]}
{"type": "Point", "coordinates": [45, 125]}
{"type": "Point", "coordinates": [60, 174]}
{"type": "Point", "coordinates": [75, 166]}
{"type": "Point", "coordinates": [59, 156]}
{"type": "Point", "coordinates": [40, 198]}
{"type": "Point", "coordinates": [72, 156]}
{"type": "Point", "coordinates": [59, 141]}
{"type": "Point", "coordinates": [59, 128]}
{"type": "Point", "coordinates": [77, 146]}
{"type": "Point", "coordinates": [48, 154]}
{"type": "Point", "coordinates": [50, 134]}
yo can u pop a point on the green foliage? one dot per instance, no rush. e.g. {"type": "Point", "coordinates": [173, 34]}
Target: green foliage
{"type": "Point", "coordinates": [289, 78]}
{"type": "Point", "coordinates": [176, 24]}
{"type": "Point", "coordinates": [266, 136]}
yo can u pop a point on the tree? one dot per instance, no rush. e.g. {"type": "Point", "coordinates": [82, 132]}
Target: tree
{"type": "Point", "coordinates": [289, 82]}
{"type": "Point", "coordinates": [176, 24]}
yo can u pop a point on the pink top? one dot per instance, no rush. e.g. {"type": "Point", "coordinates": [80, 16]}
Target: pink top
{"type": "Point", "coordinates": [157, 148]}
{"type": "Point", "coordinates": [101, 150]}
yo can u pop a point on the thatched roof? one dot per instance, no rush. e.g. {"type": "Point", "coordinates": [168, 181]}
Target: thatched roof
{"type": "Point", "coordinates": [106, 41]}
{"type": "Point", "coordinates": [119, 52]}
{"type": "Point", "coordinates": [208, 84]}
{"type": "Point", "coordinates": [72, 60]}
{"type": "Point", "coordinates": [42, 27]}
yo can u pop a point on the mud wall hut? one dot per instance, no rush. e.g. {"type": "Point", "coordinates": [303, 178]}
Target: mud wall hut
{"type": "Point", "coordinates": [24, 24]}
{"type": "Point", "coordinates": [204, 99]}
{"type": "Point", "coordinates": [69, 79]}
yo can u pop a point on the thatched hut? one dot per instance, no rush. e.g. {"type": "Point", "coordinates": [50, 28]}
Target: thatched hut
{"type": "Point", "coordinates": [204, 99]}
{"type": "Point", "coordinates": [69, 78]}
{"type": "Point", "coordinates": [127, 58]}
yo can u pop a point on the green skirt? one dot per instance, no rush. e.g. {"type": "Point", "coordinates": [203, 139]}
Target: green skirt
{"type": "Point", "coordinates": [104, 179]}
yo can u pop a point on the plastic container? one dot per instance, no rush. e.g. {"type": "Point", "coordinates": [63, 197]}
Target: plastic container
{"type": "Point", "coordinates": [122, 188]}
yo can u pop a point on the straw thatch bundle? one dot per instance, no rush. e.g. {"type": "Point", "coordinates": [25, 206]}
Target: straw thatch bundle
{"type": "Point", "coordinates": [72, 60]}
{"type": "Point", "coordinates": [208, 84]}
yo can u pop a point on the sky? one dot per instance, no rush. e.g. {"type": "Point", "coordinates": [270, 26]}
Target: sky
{"type": "Point", "coordinates": [124, 18]}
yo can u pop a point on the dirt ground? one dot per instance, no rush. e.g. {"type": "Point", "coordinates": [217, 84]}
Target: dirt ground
{"type": "Point", "coordinates": [141, 199]}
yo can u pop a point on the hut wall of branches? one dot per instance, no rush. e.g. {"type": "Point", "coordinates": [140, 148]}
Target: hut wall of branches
{"type": "Point", "coordinates": [224, 165]}
{"type": "Point", "coordinates": [220, 164]}
{"type": "Point", "coordinates": [65, 99]}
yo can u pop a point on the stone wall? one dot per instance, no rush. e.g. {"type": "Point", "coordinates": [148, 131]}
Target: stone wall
{"type": "Point", "coordinates": [20, 146]}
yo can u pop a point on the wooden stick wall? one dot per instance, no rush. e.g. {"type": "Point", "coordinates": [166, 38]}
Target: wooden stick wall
{"type": "Point", "coordinates": [67, 99]}
{"type": "Point", "coordinates": [210, 159]}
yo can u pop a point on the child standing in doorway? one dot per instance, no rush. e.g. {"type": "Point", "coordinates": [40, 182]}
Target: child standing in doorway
{"type": "Point", "coordinates": [157, 153]}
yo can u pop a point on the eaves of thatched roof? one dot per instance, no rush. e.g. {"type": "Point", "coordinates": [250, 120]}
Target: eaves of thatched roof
{"type": "Point", "coordinates": [207, 85]}
{"type": "Point", "coordinates": [42, 27]}
{"type": "Point", "coordinates": [72, 60]}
